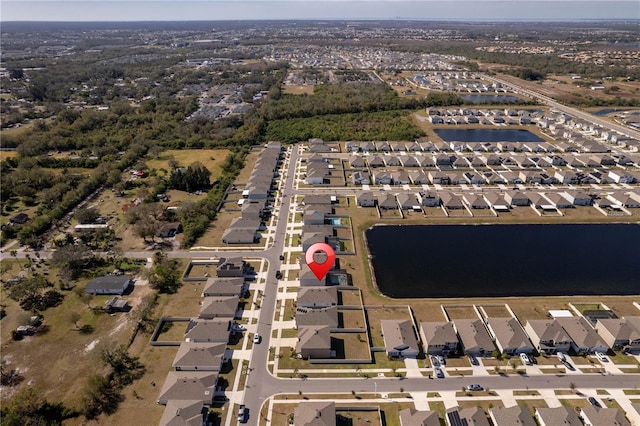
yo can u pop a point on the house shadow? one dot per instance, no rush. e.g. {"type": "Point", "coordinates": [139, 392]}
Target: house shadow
{"type": "Point", "coordinates": [337, 345]}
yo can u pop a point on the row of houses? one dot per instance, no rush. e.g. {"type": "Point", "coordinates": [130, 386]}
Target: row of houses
{"type": "Point", "coordinates": [480, 337]}
{"type": "Point", "coordinates": [245, 229]}
{"type": "Point", "coordinates": [323, 413]}
{"type": "Point", "coordinates": [190, 387]}
{"type": "Point", "coordinates": [497, 201]}
{"type": "Point", "coordinates": [492, 177]}
{"type": "Point", "coordinates": [532, 159]}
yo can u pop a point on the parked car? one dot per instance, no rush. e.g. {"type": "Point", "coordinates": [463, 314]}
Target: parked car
{"type": "Point", "coordinates": [474, 387]}
{"type": "Point", "coordinates": [525, 359]}
{"type": "Point", "coordinates": [561, 356]}
{"type": "Point", "coordinates": [256, 338]}
{"type": "Point", "coordinates": [281, 257]}
{"type": "Point", "coordinates": [439, 373]}
{"type": "Point", "coordinates": [602, 357]}
{"type": "Point", "coordinates": [473, 360]}
{"type": "Point", "coordinates": [278, 275]}
{"type": "Point", "coordinates": [594, 402]}
{"type": "Point", "coordinates": [243, 414]}
{"type": "Point", "coordinates": [434, 361]}
{"type": "Point", "coordinates": [442, 360]}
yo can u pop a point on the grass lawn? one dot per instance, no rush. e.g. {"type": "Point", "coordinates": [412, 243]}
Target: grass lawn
{"type": "Point", "coordinates": [350, 345]}
{"type": "Point", "coordinates": [350, 297]}
{"type": "Point", "coordinates": [210, 158]}
{"type": "Point", "coordinates": [375, 315]}
{"type": "Point", "coordinates": [494, 311]}
{"type": "Point", "coordinates": [351, 318]}
{"type": "Point", "coordinates": [484, 404]}
{"type": "Point", "coordinates": [532, 404]}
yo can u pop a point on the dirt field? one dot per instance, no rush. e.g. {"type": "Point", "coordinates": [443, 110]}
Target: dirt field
{"type": "Point", "coordinates": [297, 90]}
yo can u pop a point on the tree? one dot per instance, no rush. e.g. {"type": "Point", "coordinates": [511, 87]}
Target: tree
{"type": "Point", "coordinates": [164, 276]}
{"type": "Point", "coordinates": [100, 396]}
{"type": "Point", "coordinates": [72, 259]}
{"type": "Point", "coordinates": [74, 317]}
{"type": "Point", "coordinates": [87, 215]}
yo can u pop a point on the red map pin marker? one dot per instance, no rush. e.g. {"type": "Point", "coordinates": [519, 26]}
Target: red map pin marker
{"type": "Point", "coordinates": [320, 269]}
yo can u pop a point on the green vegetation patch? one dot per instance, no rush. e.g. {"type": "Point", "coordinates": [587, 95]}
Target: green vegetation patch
{"type": "Point", "coordinates": [386, 125]}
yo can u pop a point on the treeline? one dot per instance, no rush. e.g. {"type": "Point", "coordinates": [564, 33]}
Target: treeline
{"type": "Point", "coordinates": [348, 98]}
{"type": "Point", "coordinates": [385, 125]}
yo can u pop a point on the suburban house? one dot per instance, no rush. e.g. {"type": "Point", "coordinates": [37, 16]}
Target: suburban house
{"type": "Point", "coordinates": [516, 198]}
{"type": "Point", "coordinates": [450, 201]}
{"type": "Point", "coordinates": [322, 413]}
{"type": "Point", "coordinates": [382, 177]}
{"type": "Point", "coordinates": [418, 177]}
{"type": "Point", "coordinates": [383, 146]}
{"type": "Point", "coordinates": [314, 342]}
{"type": "Point", "coordinates": [391, 161]}
{"type": "Point", "coordinates": [239, 236]}
{"type": "Point", "coordinates": [387, 202]}
{"type": "Point", "coordinates": [425, 161]}
{"type": "Point", "coordinates": [317, 297]}
{"type": "Point", "coordinates": [317, 172]}
{"type": "Point", "coordinates": [408, 161]}
{"type": "Point", "coordinates": [308, 278]}
{"type": "Point", "coordinates": [109, 284]}
{"type": "Point", "coordinates": [557, 416]}
{"type": "Point", "coordinates": [584, 338]}
{"type": "Point", "coordinates": [510, 416]}
{"type": "Point", "coordinates": [400, 177]}
{"type": "Point", "coordinates": [314, 216]}
{"type": "Point", "coordinates": [188, 413]}
{"type": "Point", "coordinates": [188, 386]}
{"type": "Point", "coordinates": [231, 267]}
{"type": "Point", "coordinates": [406, 201]}
{"type": "Point", "coordinates": [169, 230]}
{"type": "Point", "coordinates": [627, 200]}
{"type": "Point", "coordinates": [366, 199]}
{"type": "Point", "coordinates": [428, 198]}
{"type": "Point", "coordinates": [603, 416]}
{"type": "Point", "coordinates": [219, 307]}
{"type": "Point", "coordinates": [475, 201]}
{"type": "Point", "coordinates": [620, 333]}
{"type": "Point", "coordinates": [474, 338]}
{"type": "Point", "coordinates": [216, 330]}
{"type": "Point", "coordinates": [201, 356]}
{"type": "Point", "coordinates": [496, 201]}
{"type": "Point", "coordinates": [234, 286]}
{"type": "Point", "coordinates": [509, 336]}
{"type": "Point", "coordinates": [399, 338]}
{"type": "Point", "coordinates": [356, 161]}
{"type": "Point", "coordinates": [438, 338]}
{"type": "Point", "coordinates": [455, 416]}
{"type": "Point", "coordinates": [361, 178]}
{"type": "Point", "coordinates": [317, 316]}
{"type": "Point", "coordinates": [558, 201]}
{"type": "Point", "coordinates": [579, 198]}
{"type": "Point", "coordinates": [413, 417]}
{"type": "Point", "coordinates": [437, 177]}
{"type": "Point", "coordinates": [548, 336]}
{"type": "Point", "coordinates": [375, 161]}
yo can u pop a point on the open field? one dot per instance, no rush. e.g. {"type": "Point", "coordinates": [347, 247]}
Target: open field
{"type": "Point", "coordinates": [298, 89]}
{"type": "Point", "coordinates": [210, 158]}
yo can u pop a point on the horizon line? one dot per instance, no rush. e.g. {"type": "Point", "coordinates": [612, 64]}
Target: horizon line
{"type": "Point", "coordinates": [331, 19]}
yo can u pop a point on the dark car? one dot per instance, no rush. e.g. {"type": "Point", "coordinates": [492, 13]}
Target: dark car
{"type": "Point", "coordinates": [594, 402]}
{"type": "Point", "coordinates": [243, 414]}
{"type": "Point", "coordinates": [281, 257]}
{"type": "Point", "coordinates": [278, 275]}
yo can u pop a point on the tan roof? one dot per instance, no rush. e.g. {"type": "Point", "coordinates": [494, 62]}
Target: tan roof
{"type": "Point", "coordinates": [188, 385]}
{"type": "Point", "coordinates": [218, 307]}
{"type": "Point", "coordinates": [511, 416]}
{"type": "Point", "coordinates": [317, 316]}
{"type": "Point", "coordinates": [413, 417]}
{"type": "Point", "coordinates": [558, 416]}
{"type": "Point", "coordinates": [621, 328]}
{"type": "Point", "coordinates": [509, 333]}
{"type": "Point", "coordinates": [581, 332]}
{"type": "Point", "coordinates": [201, 355]}
{"type": "Point", "coordinates": [313, 337]}
{"type": "Point", "coordinates": [473, 334]}
{"type": "Point", "coordinates": [315, 414]}
{"type": "Point", "coordinates": [438, 333]}
{"type": "Point", "coordinates": [309, 296]}
{"type": "Point", "coordinates": [548, 330]}
{"type": "Point", "coordinates": [223, 286]}
{"type": "Point", "coordinates": [207, 330]}
{"type": "Point", "coordinates": [398, 335]}
{"type": "Point", "coordinates": [182, 413]}
{"type": "Point", "coordinates": [604, 416]}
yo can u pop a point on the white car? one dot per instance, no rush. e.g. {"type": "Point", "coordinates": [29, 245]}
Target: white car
{"type": "Point", "coordinates": [256, 338]}
{"type": "Point", "coordinates": [561, 356]}
{"type": "Point", "coordinates": [601, 357]}
{"type": "Point", "coordinates": [525, 359]}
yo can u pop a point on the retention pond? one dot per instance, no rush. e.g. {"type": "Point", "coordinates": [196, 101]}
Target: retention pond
{"type": "Point", "coordinates": [438, 261]}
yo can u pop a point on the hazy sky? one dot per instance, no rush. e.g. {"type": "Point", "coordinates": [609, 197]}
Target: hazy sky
{"type": "Point", "coordinates": [177, 10]}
